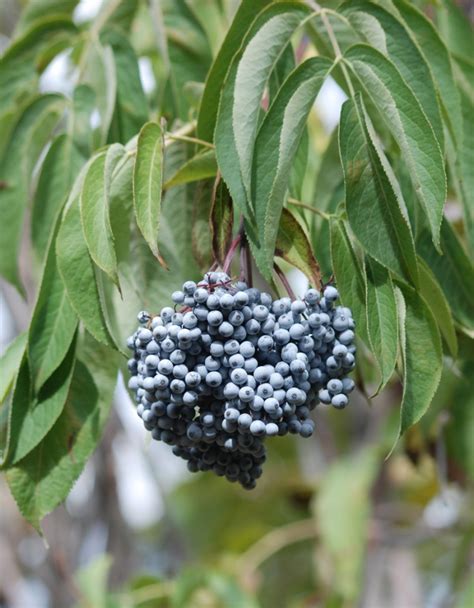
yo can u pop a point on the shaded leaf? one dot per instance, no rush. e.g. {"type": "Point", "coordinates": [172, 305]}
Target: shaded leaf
{"type": "Point", "coordinates": [38, 9]}
{"type": "Point", "coordinates": [409, 126]}
{"type": "Point", "coordinates": [80, 121]}
{"type": "Point", "coordinates": [372, 207]}
{"type": "Point", "coordinates": [201, 166]}
{"type": "Point", "coordinates": [10, 363]}
{"type": "Point", "coordinates": [221, 222]}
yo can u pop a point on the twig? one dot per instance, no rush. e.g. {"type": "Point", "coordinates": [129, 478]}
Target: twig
{"type": "Point", "coordinates": [284, 281]}
{"type": "Point", "coordinates": [230, 254]}
{"type": "Point", "coordinates": [191, 140]}
{"type": "Point", "coordinates": [297, 203]}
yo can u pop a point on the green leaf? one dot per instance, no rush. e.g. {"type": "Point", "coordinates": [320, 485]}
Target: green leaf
{"type": "Point", "coordinates": [454, 272]}
{"type": "Point", "coordinates": [350, 280]}
{"type": "Point", "coordinates": [221, 222]}
{"type": "Point", "coordinates": [80, 121]}
{"type": "Point", "coordinates": [434, 297]}
{"type": "Point", "coordinates": [61, 165]}
{"type": "Point", "coordinates": [455, 29]}
{"type": "Point", "coordinates": [466, 166]}
{"type": "Point", "coordinates": [35, 10]}
{"type": "Point", "coordinates": [388, 35]}
{"type": "Point", "coordinates": [52, 325]}
{"type": "Point", "coordinates": [409, 126]}
{"type": "Point", "coordinates": [422, 356]}
{"type": "Point", "coordinates": [342, 511]}
{"type": "Point", "coordinates": [147, 183]}
{"type": "Point", "coordinates": [43, 479]}
{"type": "Point", "coordinates": [275, 149]}
{"type": "Point", "coordinates": [439, 61]}
{"type": "Point", "coordinates": [240, 102]}
{"type": "Point", "coordinates": [382, 319]}
{"type": "Point", "coordinates": [460, 429]}
{"type": "Point", "coordinates": [219, 589]}
{"type": "Point", "coordinates": [16, 166]}
{"type": "Point", "coordinates": [77, 272]}
{"type": "Point", "coordinates": [201, 166]}
{"type": "Point", "coordinates": [244, 16]}
{"type": "Point", "coordinates": [10, 362]}
{"type": "Point", "coordinates": [372, 207]}
{"type": "Point", "coordinates": [293, 246]}
{"type": "Point", "coordinates": [94, 205]}
{"type": "Point", "coordinates": [92, 580]}
{"type": "Point", "coordinates": [32, 414]}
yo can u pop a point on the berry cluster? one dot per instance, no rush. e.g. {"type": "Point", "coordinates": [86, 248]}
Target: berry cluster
{"type": "Point", "coordinates": [229, 366]}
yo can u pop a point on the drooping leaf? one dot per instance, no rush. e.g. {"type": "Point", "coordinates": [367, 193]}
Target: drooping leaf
{"type": "Point", "coordinates": [293, 246]}
{"type": "Point", "coordinates": [43, 479]}
{"type": "Point", "coordinates": [421, 353]}
{"type": "Point", "coordinates": [26, 142]}
{"type": "Point", "coordinates": [221, 222]}
{"type": "Point", "coordinates": [275, 149]}
{"type": "Point", "coordinates": [409, 126]}
{"type": "Point", "coordinates": [147, 183]}
{"type": "Point", "coordinates": [389, 35]}
{"type": "Point", "coordinates": [94, 206]}
{"type": "Point", "coordinates": [77, 272]}
{"type": "Point", "coordinates": [342, 511]}
{"type": "Point", "coordinates": [10, 362]}
{"type": "Point", "coordinates": [372, 207]}
{"type": "Point", "coordinates": [454, 272]}
{"type": "Point", "coordinates": [201, 166]}
{"type": "Point", "coordinates": [350, 279]}
{"type": "Point", "coordinates": [80, 122]}
{"type": "Point", "coordinates": [32, 414]}
{"type": "Point", "coordinates": [455, 29]}
{"type": "Point", "coordinates": [439, 60]}
{"type": "Point", "coordinates": [62, 163]}
{"type": "Point", "coordinates": [246, 13]}
{"type": "Point", "coordinates": [382, 319]}
{"type": "Point", "coordinates": [52, 325]}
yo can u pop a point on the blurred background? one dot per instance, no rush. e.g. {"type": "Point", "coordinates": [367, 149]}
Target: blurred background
{"type": "Point", "coordinates": [332, 522]}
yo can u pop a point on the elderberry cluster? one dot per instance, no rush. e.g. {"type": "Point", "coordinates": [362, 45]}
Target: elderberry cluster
{"type": "Point", "coordinates": [228, 366]}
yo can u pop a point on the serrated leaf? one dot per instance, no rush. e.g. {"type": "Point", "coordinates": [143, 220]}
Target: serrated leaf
{"type": "Point", "coordinates": [240, 102]}
{"type": "Point", "coordinates": [94, 206]}
{"type": "Point", "coordinates": [434, 297]}
{"type": "Point", "coordinates": [61, 165]}
{"type": "Point", "coordinates": [77, 272]}
{"type": "Point", "coordinates": [372, 207]}
{"type": "Point", "coordinates": [32, 414]}
{"type": "Point", "coordinates": [275, 149]}
{"type": "Point", "coordinates": [52, 325]}
{"type": "Point", "coordinates": [382, 319]}
{"type": "Point", "coordinates": [221, 222]}
{"type": "Point", "coordinates": [43, 479]}
{"type": "Point", "coordinates": [293, 246]}
{"type": "Point", "coordinates": [16, 166]}
{"type": "Point", "coordinates": [421, 354]}
{"type": "Point", "coordinates": [244, 16]}
{"type": "Point", "coordinates": [388, 34]}
{"type": "Point", "coordinates": [342, 511]}
{"type": "Point", "coordinates": [147, 183]}
{"type": "Point", "coordinates": [350, 280]}
{"type": "Point", "coordinates": [439, 60]}
{"type": "Point", "coordinates": [409, 126]}
{"type": "Point", "coordinates": [454, 272]}
{"type": "Point", "coordinates": [201, 166]}
{"type": "Point", "coordinates": [10, 362]}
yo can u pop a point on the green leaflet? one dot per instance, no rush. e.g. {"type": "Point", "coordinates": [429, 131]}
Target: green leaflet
{"type": "Point", "coordinates": [382, 319]}
{"type": "Point", "coordinates": [62, 163]}
{"type": "Point", "coordinates": [10, 362]}
{"type": "Point", "coordinates": [33, 414]}
{"type": "Point", "coordinates": [244, 16]}
{"type": "Point", "coordinates": [275, 149]}
{"type": "Point", "coordinates": [293, 246]}
{"type": "Point", "coordinates": [434, 297]}
{"type": "Point", "coordinates": [239, 106]}
{"type": "Point", "coordinates": [372, 206]}
{"type": "Point", "coordinates": [409, 126]}
{"type": "Point", "coordinates": [77, 272]}
{"type": "Point", "coordinates": [437, 54]}
{"type": "Point", "coordinates": [421, 353]}
{"type": "Point", "coordinates": [388, 35]}
{"type": "Point", "coordinates": [43, 479]}
{"type": "Point", "coordinates": [200, 166]}
{"type": "Point", "coordinates": [94, 206]}
{"type": "Point", "coordinates": [350, 280]}
{"type": "Point", "coordinates": [26, 142]}
{"type": "Point", "coordinates": [52, 325]}
{"type": "Point", "coordinates": [147, 183]}
{"type": "Point", "coordinates": [35, 10]}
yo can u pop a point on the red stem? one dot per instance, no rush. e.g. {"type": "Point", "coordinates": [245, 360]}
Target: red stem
{"type": "Point", "coordinates": [284, 281]}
